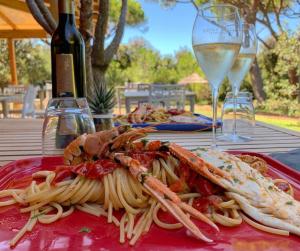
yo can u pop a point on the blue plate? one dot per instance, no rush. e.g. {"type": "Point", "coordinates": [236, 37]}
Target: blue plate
{"type": "Point", "coordinates": [205, 124]}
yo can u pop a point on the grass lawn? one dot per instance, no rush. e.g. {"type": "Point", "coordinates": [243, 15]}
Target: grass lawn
{"type": "Point", "coordinates": [286, 122]}
{"type": "Point", "coordinates": [281, 121]}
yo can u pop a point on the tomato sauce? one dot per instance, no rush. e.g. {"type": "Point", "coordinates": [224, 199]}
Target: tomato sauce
{"type": "Point", "coordinates": [62, 173]}
{"type": "Point", "coordinates": [283, 186]}
{"type": "Point", "coordinates": [97, 169]}
{"type": "Point", "coordinates": [175, 111]}
{"type": "Point", "coordinates": [202, 204]}
{"type": "Point", "coordinates": [146, 157]}
{"type": "Point", "coordinates": [199, 184]}
{"type": "Point", "coordinates": [196, 182]}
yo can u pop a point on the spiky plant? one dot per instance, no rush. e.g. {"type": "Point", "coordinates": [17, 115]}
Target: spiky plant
{"type": "Point", "coordinates": [101, 100]}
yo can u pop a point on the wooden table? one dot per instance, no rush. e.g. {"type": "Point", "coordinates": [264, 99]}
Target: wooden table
{"type": "Point", "coordinates": [142, 96]}
{"type": "Point", "coordinates": [21, 138]}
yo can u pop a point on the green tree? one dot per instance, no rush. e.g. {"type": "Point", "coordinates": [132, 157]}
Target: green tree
{"type": "Point", "coordinates": [165, 71]}
{"type": "Point", "coordinates": [186, 64]}
{"type": "Point", "coordinates": [4, 69]}
{"type": "Point", "coordinates": [33, 62]}
{"type": "Point", "coordinates": [111, 18]}
{"type": "Point", "coordinates": [269, 13]}
{"type": "Point", "coordinates": [280, 71]}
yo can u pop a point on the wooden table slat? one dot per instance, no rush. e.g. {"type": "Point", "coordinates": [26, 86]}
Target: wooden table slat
{"type": "Point", "coordinates": [21, 138]}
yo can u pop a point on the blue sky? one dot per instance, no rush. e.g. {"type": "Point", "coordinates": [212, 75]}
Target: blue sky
{"type": "Point", "coordinates": [168, 29]}
{"type": "Point", "coordinates": [171, 29]}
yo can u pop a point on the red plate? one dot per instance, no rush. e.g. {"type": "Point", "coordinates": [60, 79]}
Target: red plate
{"type": "Point", "coordinates": [64, 234]}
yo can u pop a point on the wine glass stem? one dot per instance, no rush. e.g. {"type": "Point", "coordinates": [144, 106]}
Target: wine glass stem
{"type": "Point", "coordinates": [234, 112]}
{"type": "Point", "coordinates": [215, 94]}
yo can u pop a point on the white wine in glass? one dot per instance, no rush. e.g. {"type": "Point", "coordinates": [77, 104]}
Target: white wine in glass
{"type": "Point", "coordinates": [238, 72]}
{"type": "Point", "coordinates": [215, 60]}
{"type": "Point", "coordinates": [216, 42]}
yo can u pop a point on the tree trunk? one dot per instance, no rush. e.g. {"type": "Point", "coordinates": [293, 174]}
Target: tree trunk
{"type": "Point", "coordinates": [295, 80]}
{"type": "Point", "coordinates": [86, 29]}
{"type": "Point", "coordinates": [99, 75]}
{"type": "Point", "coordinates": [257, 82]}
{"type": "Point", "coordinates": [298, 92]}
{"type": "Point", "coordinates": [98, 56]}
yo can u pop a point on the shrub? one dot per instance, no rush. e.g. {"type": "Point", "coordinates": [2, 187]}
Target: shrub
{"type": "Point", "coordinates": [280, 107]}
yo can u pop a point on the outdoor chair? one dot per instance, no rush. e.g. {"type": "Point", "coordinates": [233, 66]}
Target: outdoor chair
{"type": "Point", "coordinates": [28, 109]}
{"type": "Point", "coordinates": [167, 95]}
{"type": "Point", "coordinates": [144, 87]}
{"type": "Point", "coordinates": [14, 89]}
{"type": "Point", "coordinates": [28, 103]}
{"type": "Point", "coordinates": [131, 86]}
{"type": "Point", "coordinates": [120, 97]}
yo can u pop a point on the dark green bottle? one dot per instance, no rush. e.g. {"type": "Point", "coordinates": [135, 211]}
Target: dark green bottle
{"type": "Point", "coordinates": [67, 55]}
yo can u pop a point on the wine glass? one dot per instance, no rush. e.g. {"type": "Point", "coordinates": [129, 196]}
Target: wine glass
{"type": "Point", "coordinates": [216, 42]}
{"type": "Point", "coordinates": [65, 119]}
{"type": "Point", "coordinates": [244, 117]}
{"type": "Point", "coordinates": [238, 72]}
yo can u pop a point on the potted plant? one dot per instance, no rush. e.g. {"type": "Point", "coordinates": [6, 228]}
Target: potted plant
{"type": "Point", "coordinates": [101, 103]}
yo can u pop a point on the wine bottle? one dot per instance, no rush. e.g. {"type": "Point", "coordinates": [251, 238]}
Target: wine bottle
{"type": "Point", "coordinates": [67, 55]}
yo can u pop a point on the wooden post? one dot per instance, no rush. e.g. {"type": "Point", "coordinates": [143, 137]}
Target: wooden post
{"type": "Point", "coordinates": [12, 61]}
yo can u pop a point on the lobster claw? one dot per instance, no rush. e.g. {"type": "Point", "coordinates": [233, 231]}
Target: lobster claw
{"type": "Point", "coordinates": [165, 196]}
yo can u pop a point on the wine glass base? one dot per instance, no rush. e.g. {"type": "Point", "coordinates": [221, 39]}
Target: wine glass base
{"type": "Point", "coordinates": [233, 138]}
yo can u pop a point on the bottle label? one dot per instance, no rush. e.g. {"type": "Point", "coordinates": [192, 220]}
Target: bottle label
{"type": "Point", "coordinates": [65, 74]}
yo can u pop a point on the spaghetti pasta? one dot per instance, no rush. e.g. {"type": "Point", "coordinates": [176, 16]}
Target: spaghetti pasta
{"type": "Point", "coordinates": [116, 191]}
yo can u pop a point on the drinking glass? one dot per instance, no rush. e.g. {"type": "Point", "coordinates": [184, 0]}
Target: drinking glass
{"type": "Point", "coordinates": [238, 112]}
{"type": "Point", "coordinates": [239, 70]}
{"type": "Point", "coordinates": [65, 119]}
{"type": "Point", "coordinates": [216, 42]}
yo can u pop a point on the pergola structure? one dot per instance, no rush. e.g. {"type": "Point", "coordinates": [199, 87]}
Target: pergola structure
{"type": "Point", "coordinates": [16, 22]}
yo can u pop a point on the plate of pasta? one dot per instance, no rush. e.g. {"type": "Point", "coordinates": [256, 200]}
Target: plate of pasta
{"type": "Point", "coordinates": [115, 190]}
{"type": "Point", "coordinates": [165, 119]}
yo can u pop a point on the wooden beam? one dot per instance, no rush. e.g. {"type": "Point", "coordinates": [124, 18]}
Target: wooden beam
{"type": "Point", "coordinates": [15, 4]}
{"type": "Point", "coordinates": [7, 20]}
{"type": "Point", "coordinates": [19, 34]}
{"type": "Point", "coordinates": [12, 61]}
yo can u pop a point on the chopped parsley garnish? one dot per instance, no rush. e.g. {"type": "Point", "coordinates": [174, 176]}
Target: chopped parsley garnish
{"type": "Point", "coordinates": [270, 188]}
{"type": "Point", "coordinates": [289, 203]}
{"type": "Point", "coordinates": [85, 230]}
{"type": "Point", "coordinates": [200, 148]}
{"type": "Point", "coordinates": [251, 178]}
{"type": "Point", "coordinates": [229, 167]}
{"type": "Point", "coordinates": [236, 180]}
{"type": "Point", "coordinates": [221, 167]}
{"type": "Point", "coordinates": [144, 141]}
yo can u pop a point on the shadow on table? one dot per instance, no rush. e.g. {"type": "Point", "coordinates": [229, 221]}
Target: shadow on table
{"type": "Point", "coordinates": [291, 158]}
